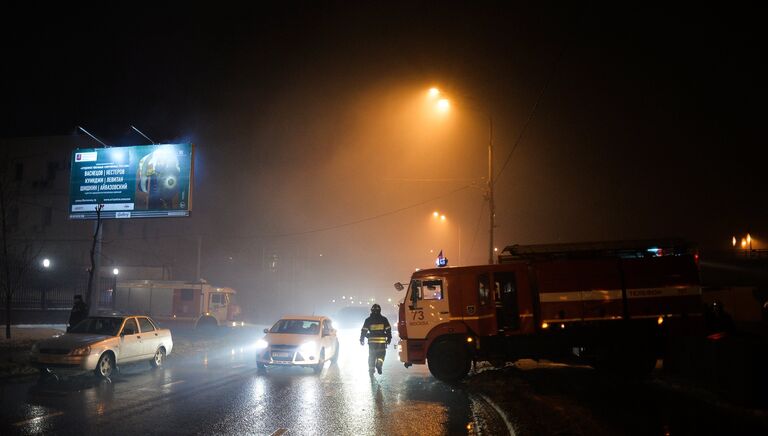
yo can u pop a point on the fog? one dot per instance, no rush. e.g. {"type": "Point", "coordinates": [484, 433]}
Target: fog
{"type": "Point", "coordinates": [320, 160]}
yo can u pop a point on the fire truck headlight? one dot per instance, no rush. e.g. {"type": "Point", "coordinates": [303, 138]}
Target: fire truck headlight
{"type": "Point", "coordinates": [261, 344]}
{"type": "Point", "coordinates": [234, 323]}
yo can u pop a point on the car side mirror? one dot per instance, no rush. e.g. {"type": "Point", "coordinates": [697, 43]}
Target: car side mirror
{"type": "Point", "coordinates": [399, 286]}
{"type": "Point", "coordinates": [266, 330]}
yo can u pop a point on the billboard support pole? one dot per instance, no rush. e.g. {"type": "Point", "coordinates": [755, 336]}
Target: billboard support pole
{"type": "Point", "coordinates": [199, 251]}
{"type": "Point", "coordinates": [93, 274]}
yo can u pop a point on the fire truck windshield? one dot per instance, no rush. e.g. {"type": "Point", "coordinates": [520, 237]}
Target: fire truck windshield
{"type": "Point", "coordinates": [426, 290]}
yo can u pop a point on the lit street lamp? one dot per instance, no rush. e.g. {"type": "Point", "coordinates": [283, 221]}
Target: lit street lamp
{"type": "Point", "coordinates": [443, 218]}
{"type": "Point", "coordinates": [115, 272]}
{"type": "Point", "coordinates": [46, 263]}
{"type": "Point", "coordinates": [443, 105]}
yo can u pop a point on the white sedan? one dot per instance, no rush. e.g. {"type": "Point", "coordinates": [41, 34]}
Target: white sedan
{"type": "Point", "coordinates": [100, 343]}
{"type": "Point", "coordinates": [298, 340]}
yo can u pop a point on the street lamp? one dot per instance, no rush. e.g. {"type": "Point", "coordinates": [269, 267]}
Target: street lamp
{"type": "Point", "coordinates": [442, 104]}
{"type": "Point", "coordinates": [115, 272]}
{"type": "Point", "coordinates": [46, 263]}
{"type": "Point", "coordinates": [443, 218]}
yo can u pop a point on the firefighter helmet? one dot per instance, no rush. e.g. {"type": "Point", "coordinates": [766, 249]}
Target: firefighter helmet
{"type": "Point", "coordinates": [376, 309]}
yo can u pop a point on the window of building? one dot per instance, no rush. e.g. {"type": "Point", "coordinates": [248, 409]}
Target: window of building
{"type": "Point", "coordinates": [47, 216]}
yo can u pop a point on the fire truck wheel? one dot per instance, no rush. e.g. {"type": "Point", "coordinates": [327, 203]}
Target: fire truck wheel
{"type": "Point", "coordinates": [448, 360]}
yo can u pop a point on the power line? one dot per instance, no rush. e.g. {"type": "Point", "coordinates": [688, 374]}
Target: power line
{"type": "Point", "coordinates": [531, 114]}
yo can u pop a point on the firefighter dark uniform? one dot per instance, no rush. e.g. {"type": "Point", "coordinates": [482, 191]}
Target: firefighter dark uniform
{"type": "Point", "coordinates": [379, 333]}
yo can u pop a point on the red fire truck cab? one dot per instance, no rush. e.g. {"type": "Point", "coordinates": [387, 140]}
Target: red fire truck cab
{"type": "Point", "coordinates": [609, 304]}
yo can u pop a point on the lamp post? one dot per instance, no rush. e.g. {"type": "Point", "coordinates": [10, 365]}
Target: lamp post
{"type": "Point", "coordinates": [442, 218]}
{"type": "Point", "coordinates": [46, 263]}
{"type": "Point", "coordinates": [442, 104]}
{"type": "Point", "coordinates": [115, 272]}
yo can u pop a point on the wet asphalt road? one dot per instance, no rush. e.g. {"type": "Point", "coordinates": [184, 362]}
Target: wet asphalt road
{"type": "Point", "coordinates": [220, 392]}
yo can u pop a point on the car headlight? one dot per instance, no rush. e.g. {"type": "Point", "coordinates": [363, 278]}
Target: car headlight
{"type": "Point", "coordinates": [308, 347]}
{"type": "Point", "coordinates": [261, 344]}
{"type": "Point", "coordinates": [81, 351]}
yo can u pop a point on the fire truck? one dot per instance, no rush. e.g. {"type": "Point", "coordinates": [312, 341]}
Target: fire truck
{"type": "Point", "coordinates": [608, 304]}
{"type": "Point", "coordinates": [197, 303]}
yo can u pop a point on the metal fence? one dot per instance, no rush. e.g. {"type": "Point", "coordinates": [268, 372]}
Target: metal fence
{"type": "Point", "coordinates": [42, 296]}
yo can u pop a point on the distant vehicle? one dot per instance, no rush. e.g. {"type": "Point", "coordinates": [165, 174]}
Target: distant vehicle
{"type": "Point", "coordinates": [608, 304]}
{"type": "Point", "coordinates": [298, 340]}
{"type": "Point", "coordinates": [197, 303]}
{"type": "Point", "coordinates": [102, 343]}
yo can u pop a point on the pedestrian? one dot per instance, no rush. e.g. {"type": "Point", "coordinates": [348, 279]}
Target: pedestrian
{"type": "Point", "coordinates": [79, 312]}
{"type": "Point", "coordinates": [379, 333]}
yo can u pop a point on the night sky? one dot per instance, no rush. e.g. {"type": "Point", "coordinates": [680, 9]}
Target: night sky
{"type": "Point", "coordinates": [614, 122]}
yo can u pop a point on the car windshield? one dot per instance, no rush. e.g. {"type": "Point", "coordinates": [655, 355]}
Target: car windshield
{"type": "Point", "coordinates": [99, 326]}
{"type": "Point", "coordinates": [296, 326]}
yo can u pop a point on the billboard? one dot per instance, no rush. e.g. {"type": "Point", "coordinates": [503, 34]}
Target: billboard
{"type": "Point", "coordinates": [143, 181]}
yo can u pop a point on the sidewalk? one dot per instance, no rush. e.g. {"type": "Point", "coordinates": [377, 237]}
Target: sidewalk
{"type": "Point", "coordinates": [14, 352]}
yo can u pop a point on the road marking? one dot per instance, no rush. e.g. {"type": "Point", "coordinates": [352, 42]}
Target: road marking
{"type": "Point", "coordinates": [280, 431]}
{"type": "Point", "coordinates": [36, 419]}
{"type": "Point", "coordinates": [510, 427]}
{"type": "Point", "coordinates": [238, 366]}
{"type": "Point", "coordinates": [172, 383]}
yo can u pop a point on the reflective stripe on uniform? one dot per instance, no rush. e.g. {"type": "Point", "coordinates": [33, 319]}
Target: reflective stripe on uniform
{"type": "Point", "coordinates": [377, 340]}
{"type": "Point", "coordinates": [377, 327]}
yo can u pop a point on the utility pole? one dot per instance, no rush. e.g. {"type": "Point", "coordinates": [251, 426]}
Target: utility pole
{"type": "Point", "coordinates": [491, 205]}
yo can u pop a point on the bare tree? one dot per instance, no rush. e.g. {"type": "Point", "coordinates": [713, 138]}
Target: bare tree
{"type": "Point", "coordinates": [93, 271]}
{"type": "Point", "coordinates": [17, 253]}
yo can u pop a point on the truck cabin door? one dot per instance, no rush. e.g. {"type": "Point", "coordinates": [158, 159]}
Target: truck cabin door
{"type": "Point", "coordinates": [507, 308]}
{"type": "Point", "coordinates": [217, 306]}
{"type": "Point", "coordinates": [426, 306]}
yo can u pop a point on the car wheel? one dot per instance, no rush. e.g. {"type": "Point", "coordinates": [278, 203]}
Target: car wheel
{"type": "Point", "coordinates": [105, 367]}
{"type": "Point", "coordinates": [261, 368]}
{"type": "Point", "coordinates": [320, 362]}
{"type": "Point", "coordinates": [335, 357]}
{"type": "Point", "coordinates": [159, 359]}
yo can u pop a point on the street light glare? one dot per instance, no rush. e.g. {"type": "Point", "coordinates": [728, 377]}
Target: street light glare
{"type": "Point", "coordinates": [443, 105]}
{"type": "Point", "coordinates": [115, 271]}
{"type": "Point", "coordinates": [433, 92]}
{"type": "Point", "coordinates": [435, 214]}
{"type": "Point", "coordinates": [46, 263]}
{"type": "Point", "coordinates": [442, 217]}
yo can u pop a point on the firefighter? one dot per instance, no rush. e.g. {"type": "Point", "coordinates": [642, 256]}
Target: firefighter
{"type": "Point", "coordinates": [379, 333]}
{"type": "Point", "coordinates": [79, 312]}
